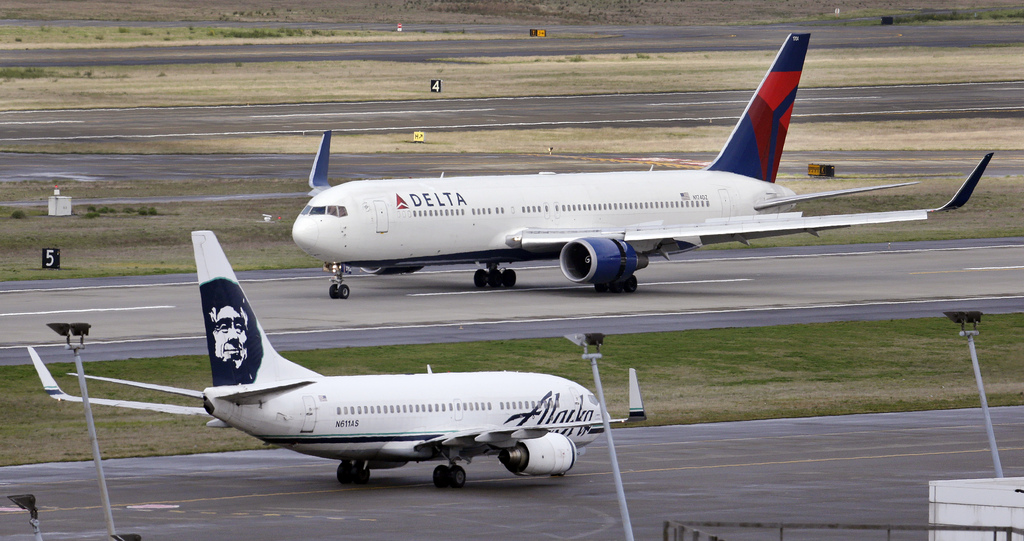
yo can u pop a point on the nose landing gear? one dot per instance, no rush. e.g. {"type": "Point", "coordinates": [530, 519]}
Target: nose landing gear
{"type": "Point", "coordinates": [338, 289]}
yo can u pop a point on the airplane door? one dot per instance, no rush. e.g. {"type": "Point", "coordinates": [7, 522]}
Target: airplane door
{"type": "Point", "coordinates": [458, 409]}
{"type": "Point", "coordinates": [309, 416]}
{"type": "Point", "coordinates": [382, 216]}
{"type": "Point", "coordinates": [723, 194]}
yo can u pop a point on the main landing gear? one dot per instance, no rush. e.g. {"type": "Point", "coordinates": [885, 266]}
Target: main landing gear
{"type": "Point", "coordinates": [494, 277]}
{"type": "Point", "coordinates": [626, 286]}
{"type": "Point", "coordinates": [338, 289]}
{"type": "Point", "coordinates": [449, 476]}
{"type": "Point", "coordinates": [349, 472]}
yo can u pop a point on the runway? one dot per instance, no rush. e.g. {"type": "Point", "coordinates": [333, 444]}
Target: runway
{"type": "Point", "coordinates": [562, 40]}
{"type": "Point", "coordinates": [157, 316]}
{"type": "Point", "coordinates": [856, 469]}
{"type": "Point", "coordinates": [631, 109]}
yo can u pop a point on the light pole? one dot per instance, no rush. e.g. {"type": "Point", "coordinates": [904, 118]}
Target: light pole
{"type": "Point", "coordinates": [973, 317]}
{"type": "Point", "coordinates": [596, 339]}
{"type": "Point", "coordinates": [81, 330]}
{"type": "Point", "coordinates": [28, 503]}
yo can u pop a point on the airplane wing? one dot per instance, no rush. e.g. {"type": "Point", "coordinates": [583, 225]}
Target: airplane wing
{"type": "Point", "coordinates": [500, 436]}
{"type": "Point", "coordinates": [781, 201]}
{"type": "Point", "coordinates": [153, 387]}
{"type": "Point", "coordinates": [508, 436]}
{"type": "Point", "coordinates": [742, 228]}
{"type": "Point", "coordinates": [52, 389]}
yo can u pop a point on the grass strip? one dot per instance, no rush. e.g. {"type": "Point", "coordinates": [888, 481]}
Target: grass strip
{"type": "Point", "coordinates": [686, 377]}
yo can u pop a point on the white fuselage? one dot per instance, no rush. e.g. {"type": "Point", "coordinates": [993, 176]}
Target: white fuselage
{"type": "Point", "coordinates": [471, 219]}
{"type": "Point", "coordinates": [383, 418]}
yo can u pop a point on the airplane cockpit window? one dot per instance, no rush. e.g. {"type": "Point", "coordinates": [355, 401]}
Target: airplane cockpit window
{"type": "Point", "coordinates": [329, 210]}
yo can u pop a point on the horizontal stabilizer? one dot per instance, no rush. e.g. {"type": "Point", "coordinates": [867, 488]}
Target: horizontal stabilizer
{"type": "Point", "coordinates": [252, 394]}
{"type": "Point", "coordinates": [52, 389]}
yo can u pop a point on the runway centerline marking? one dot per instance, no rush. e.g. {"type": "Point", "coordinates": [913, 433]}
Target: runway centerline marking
{"type": "Point", "coordinates": [973, 269]}
{"type": "Point", "coordinates": [86, 310]}
{"type": "Point", "coordinates": [364, 113]}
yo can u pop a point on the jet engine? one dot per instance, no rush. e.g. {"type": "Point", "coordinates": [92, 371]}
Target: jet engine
{"type": "Point", "coordinates": [551, 454]}
{"type": "Point", "coordinates": [600, 261]}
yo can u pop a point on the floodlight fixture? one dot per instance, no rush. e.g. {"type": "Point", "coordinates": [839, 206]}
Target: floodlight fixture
{"type": "Point", "coordinates": [67, 330]}
{"type": "Point", "coordinates": [26, 502]}
{"type": "Point", "coordinates": [964, 317]}
{"type": "Point", "coordinates": [587, 339]}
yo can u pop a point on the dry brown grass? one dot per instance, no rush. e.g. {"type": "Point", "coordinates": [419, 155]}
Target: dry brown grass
{"type": "Point", "coordinates": [304, 82]}
{"type": "Point", "coordinates": [468, 11]}
{"type": "Point", "coordinates": [108, 37]}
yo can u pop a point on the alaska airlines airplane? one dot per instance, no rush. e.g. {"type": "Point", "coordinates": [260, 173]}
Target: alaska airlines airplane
{"type": "Point", "coordinates": [536, 424]}
{"type": "Point", "coordinates": [601, 227]}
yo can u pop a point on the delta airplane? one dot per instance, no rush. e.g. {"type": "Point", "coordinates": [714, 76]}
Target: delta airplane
{"type": "Point", "coordinates": [601, 227]}
{"type": "Point", "coordinates": [536, 424]}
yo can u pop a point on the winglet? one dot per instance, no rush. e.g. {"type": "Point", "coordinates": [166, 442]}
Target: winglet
{"type": "Point", "coordinates": [49, 384]}
{"type": "Point", "coordinates": [636, 402]}
{"type": "Point", "coordinates": [965, 191]}
{"type": "Point", "coordinates": [318, 175]}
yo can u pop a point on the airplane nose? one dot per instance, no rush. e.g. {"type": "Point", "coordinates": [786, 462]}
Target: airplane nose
{"type": "Point", "coordinates": [305, 232]}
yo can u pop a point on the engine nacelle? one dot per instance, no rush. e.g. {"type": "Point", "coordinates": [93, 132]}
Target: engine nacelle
{"type": "Point", "coordinates": [599, 261]}
{"type": "Point", "coordinates": [551, 454]}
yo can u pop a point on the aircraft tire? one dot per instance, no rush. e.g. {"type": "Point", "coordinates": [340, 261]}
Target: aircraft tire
{"type": "Point", "coordinates": [333, 291]}
{"type": "Point", "coordinates": [345, 472]}
{"type": "Point", "coordinates": [601, 288]}
{"type": "Point", "coordinates": [480, 278]}
{"type": "Point", "coordinates": [361, 476]}
{"type": "Point", "coordinates": [343, 291]}
{"type": "Point", "coordinates": [457, 477]}
{"type": "Point", "coordinates": [508, 278]}
{"type": "Point", "coordinates": [629, 286]}
{"type": "Point", "coordinates": [615, 287]}
{"type": "Point", "coordinates": [442, 476]}
{"type": "Point", "coordinates": [494, 278]}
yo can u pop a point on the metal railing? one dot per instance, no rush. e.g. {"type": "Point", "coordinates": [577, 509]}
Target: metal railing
{"type": "Point", "coordinates": [677, 531]}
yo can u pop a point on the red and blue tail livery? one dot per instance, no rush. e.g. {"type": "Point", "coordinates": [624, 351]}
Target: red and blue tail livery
{"type": "Point", "coordinates": [755, 146]}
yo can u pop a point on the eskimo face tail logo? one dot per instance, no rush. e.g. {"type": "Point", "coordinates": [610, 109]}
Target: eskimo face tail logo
{"type": "Point", "coordinates": [232, 336]}
{"type": "Point", "coordinates": [400, 203]}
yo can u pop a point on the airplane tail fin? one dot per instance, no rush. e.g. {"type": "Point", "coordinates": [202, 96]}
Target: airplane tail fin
{"type": "Point", "coordinates": [755, 146]}
{"type": "Point", "coordinates": [240, 352]}
{"type": "Point", "coordinates": [318, 174]}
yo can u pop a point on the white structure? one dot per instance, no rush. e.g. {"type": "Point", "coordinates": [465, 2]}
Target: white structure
{"type": "Point", "coordinates": [975, 502]}
{"type": "Point", "coordinates": [60, 205]}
